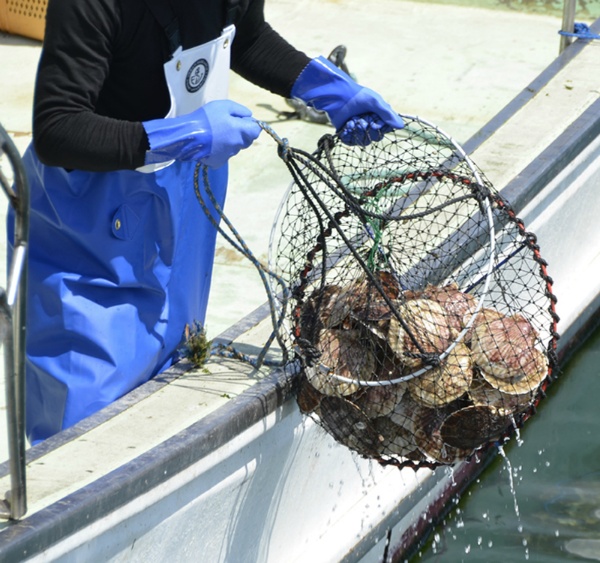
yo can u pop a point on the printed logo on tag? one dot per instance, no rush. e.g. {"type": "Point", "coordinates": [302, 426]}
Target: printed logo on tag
{"type": "Point", "coordinates": [197, 75]}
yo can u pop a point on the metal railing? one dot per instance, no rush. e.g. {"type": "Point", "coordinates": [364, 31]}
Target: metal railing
{"type": "Point", "coordinates": [12, 328]}
{"type": "Point", "coordinates": [568, 23]}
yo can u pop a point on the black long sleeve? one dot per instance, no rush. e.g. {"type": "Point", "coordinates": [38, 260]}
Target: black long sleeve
{"type": "Point", "coordinates": [101, 74]}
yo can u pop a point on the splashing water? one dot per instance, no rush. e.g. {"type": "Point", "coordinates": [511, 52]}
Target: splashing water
{"type": "Point", "coordinates": [514, 496]}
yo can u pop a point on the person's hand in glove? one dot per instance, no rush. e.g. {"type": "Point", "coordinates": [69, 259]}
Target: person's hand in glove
{"type": "Point", "coordinates": [211, 134]}
{"type": "Point", "coordinates": [359, 114]}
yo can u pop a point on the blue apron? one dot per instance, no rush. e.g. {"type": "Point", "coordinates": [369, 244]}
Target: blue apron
{"type": "Point", "coordinates": [119, 263]}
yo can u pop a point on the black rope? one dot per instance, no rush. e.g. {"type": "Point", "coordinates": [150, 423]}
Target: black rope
{"type": "Point", "coordinates": [243, 248]}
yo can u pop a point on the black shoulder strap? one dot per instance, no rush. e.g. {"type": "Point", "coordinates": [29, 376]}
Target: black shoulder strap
{"type": "Point", "coordinates": [164, 15]}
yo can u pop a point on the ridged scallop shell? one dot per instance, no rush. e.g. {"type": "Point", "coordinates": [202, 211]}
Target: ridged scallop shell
{"type": "Point", "coordinates": [458, 305]}
{"type": "Point", "coordinates": [474, 426]}
{"type": "Point", "coordinates": [428, 423]}
{"type": "Point", "coordinates": [315, 313]}
{"type": "Point", "coordinates": [483, 394]}
{"type": "Point", "coordinates": [484, 316]}
{"type": "Point", "coordinates": [445, 383]}
{"type": "Point", "coordinates": [428, 323]}
{"type": "Point", "coordinates": [379, 400]}
{"type": "Point", "coordinates": [343, 354]}
{"type": "Point", "coordinates": [364, 299]}
{"type": "Point", "coordinates": [505, 347]}
{"type": "Point", "coordinates": [533, 373]}
{"type": "Point", "coordinates": [330, 305]}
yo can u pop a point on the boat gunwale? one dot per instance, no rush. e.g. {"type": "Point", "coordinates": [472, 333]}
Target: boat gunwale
{"type": "Point", "coordinates": [77, 510]}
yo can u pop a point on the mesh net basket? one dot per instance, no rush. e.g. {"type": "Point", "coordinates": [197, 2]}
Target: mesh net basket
{"type": "Point", "coordinates": [421, 310]}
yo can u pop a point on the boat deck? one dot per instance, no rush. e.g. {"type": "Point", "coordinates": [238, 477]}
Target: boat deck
{"type": "Point", "coordinates": [465, 88]}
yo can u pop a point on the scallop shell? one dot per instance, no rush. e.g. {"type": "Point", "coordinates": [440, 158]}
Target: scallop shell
{"type": "Point", "coordinates": [389, 284]}
{"type": "Point", "coordinates": [458, 305]}
{"type": "Point", "coordinates": [366, 301]}
{"type": "Point", "coordinates": [428, 423]}
{"type": "Point", "coordinates": [483, 394]}
{"type": "Point", "coordinates": [343, 354]}
{"type": "Point", "coordinates": [429, 326]}
{"type": "Point", "coordinates": [484, 316]}
{"type": "Point", "coordinates": [474, 426]}
{"type": "Point", "coordinates": [308, 398]}
{"type": "Point", "coordinates": [403, 413]}
{"type": "Point", "coordinates": [395, 338]}
{"type": "Point", "coordinates": [535, 371]}
{"type": "Point", "coordinates": [505, 347]}
{"type": "Point", "coordinates": [379, 400]}
{"type": "Point", "coordinates": [350, 426]}
{"type": "Point", "coordinates": [396, 440]}
{"type": "Point", "coordinates": [445, 383]}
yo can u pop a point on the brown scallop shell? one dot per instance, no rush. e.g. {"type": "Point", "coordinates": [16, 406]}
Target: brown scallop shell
{"type": "Point", "coordinates": [534, 372]}
{"type": "Point", "coordinates": [474, 426]}
{"type": "Point", "coordinates": [366, 301]}
{"type": "Point", "coordinates": [380, 400]}
{"type": "Point", "coordinates": [396, 440]}
{"type": "Point", "coordinates": [459, 306]}
{"type": "Point", "coordinates": [483, 394]}
{"type": "Point", "coordinates": [308, 398]}
{"type": "Point", "coordinates": [404, 413]}
{"type": "Point", "coordinates": [316, 312]}
{"type": "Point", "coordinates": [343, 353]}
{"type": "Point", "coordinates": [350, 426]}
{"type": "Point", "coordinates": [505, 348]}
{"type": "Point", "coordinates": [428, 324]}
{"type": "Point", "coordinates": [428, 423]}
{"type": "Point", "coordinates": [447, 382]}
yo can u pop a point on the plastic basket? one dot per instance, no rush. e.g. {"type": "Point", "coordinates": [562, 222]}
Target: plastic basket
{"type": "Point", "coordinates": [23, 17]}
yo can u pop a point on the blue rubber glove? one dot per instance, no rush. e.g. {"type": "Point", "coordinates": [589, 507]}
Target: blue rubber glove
{"type": "Point", "coordinates": [359, 114]}
{"type": "Point", "coordinates": [211, 134]}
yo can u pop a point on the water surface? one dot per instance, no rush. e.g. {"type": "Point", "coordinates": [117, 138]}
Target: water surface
{"type": "Point", "coordinates": [556, 480]}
